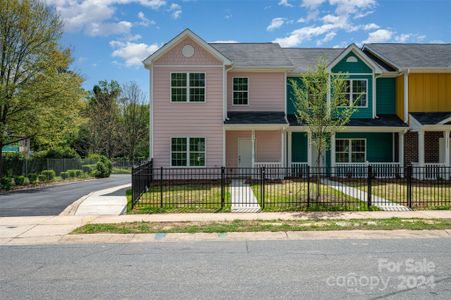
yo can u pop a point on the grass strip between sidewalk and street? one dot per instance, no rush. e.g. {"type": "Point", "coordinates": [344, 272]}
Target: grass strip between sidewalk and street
{"type": "Point", "coordinates": [266, 225]}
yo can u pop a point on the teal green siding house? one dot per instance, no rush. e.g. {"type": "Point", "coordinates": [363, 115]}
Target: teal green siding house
{"type": "Point", "coordinates": [374, 134]}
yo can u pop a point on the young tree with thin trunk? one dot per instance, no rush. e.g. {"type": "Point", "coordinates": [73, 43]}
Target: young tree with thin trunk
{"type": "Point", "coordinates": [321, 111]}
{"type": "Point", "coordinates": [39, 96]}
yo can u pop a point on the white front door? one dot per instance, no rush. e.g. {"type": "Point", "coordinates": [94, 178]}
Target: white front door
{"type": "Point", "coordinates": [244, 153]}
{"type": "Point", "coordinates": [442, 157]}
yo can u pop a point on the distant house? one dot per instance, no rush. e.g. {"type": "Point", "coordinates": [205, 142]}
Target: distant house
{"type": "Point", "coordinates": [217, 104]}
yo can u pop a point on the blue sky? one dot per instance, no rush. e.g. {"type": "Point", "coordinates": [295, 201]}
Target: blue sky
{"type": "Point", "coordinates": [109, 38]}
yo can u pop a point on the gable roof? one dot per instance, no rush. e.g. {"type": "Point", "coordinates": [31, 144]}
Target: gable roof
{"type": "Point", "coordinates": [254, 54]}
{"type": "Point", "coordinates": [305, 58]}
{"type": "Point", "coordinates": [186, 33]}
{"type": "Point", "coordinates": [357, 51]}
{"type": "Point", "coordinates": [432, 118]}
{"type": "Point", "coordinates": [411, 56]}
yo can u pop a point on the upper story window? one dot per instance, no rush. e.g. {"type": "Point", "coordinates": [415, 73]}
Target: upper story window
{"type": "Point", "coordinates": [188, 87]}
{"type": "Point", "coordinates": [240, 91]}
{"type": "Point", "coordinates": [188, 152]}
{"type": "Point", "coordinates": [356, 92]}
{"type": "Point", "coordinates": [350, 150]}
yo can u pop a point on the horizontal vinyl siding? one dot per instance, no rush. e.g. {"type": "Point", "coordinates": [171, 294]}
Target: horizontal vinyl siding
{"type": "Point", "coordinates": [232, 146]}
{"type": "Point", "coordinates": [268, 146]}
{"type": "Point", "coordinates": [351, 67]}
{"type": "Point", "coordinates": [188, 119]}
{"type": "Point", "coordinates": [266, 91]}
{"type": "Point", "coordinates": [400, 97]}
{"type": "Point", "coordinates": [429, 92]}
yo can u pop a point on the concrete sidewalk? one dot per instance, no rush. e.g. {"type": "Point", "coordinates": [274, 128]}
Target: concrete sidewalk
{"type": "Point", "coordinates": [56, 229]}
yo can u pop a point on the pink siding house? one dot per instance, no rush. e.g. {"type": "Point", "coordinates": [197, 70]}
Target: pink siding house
{"type": "Point", "coordinates": [210, 104]}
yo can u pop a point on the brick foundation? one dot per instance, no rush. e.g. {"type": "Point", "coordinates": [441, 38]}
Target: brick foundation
{"type": "Point", "coordinates": [431, 147]}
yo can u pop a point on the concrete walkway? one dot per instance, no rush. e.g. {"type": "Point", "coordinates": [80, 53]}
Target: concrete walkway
{"type": "Point", "coordinates": [379, 202]}
{"type": "Point", "coordinates": [56, 229]}
{"type": "Point", "coordinates": [243, 198]}
{"type": "Point", "coordinates": [99, 203]}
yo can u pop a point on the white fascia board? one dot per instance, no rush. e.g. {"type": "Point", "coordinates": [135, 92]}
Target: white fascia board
{"type": "Point", "coordinates": [255, 126]}
{"type": "Point", "coordinates": [360, 54]}
{"type": "Point", "coordinates": [186, 33]}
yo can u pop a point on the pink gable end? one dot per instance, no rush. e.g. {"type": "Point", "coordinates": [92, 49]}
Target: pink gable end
{"type": "Point", "coordinates": [175, 57]}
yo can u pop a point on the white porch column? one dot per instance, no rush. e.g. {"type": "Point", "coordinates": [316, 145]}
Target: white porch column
{"type": "Point", "coordinates": [309, 148]}
{"type": "Point", "coordinates": [253, 147]}
{"type": "Point", "coordinates": [401, 148]}
{"type": "Point", "coordinates": [421, 148]}
{"type": "Point", "coordinates": [290, 155]}
{"type": "Point", "coordinates": [447, 152]}
{"type": "Point", "coordinates": [282, 148]}
{"type": "Point", "coordinates": [332, 151]}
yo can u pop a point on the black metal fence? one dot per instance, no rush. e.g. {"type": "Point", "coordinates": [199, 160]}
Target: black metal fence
{"type": "Point", "coordinates": [279, 188]}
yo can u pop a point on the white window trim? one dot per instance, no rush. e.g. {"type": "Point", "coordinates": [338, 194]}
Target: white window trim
{"type": "Point", "coordinates": [350, 149]}
{"type": "Point", "coordinates": [351, 93]}
{"type": "Point", "coordinates": [248, 95]}
{"type": "Point", "coordinates": [187, 87]}
{"type": "Point", "coordinates": [187, 151]}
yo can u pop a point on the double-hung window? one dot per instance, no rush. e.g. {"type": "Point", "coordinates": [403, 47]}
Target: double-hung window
{"type": "Point", "coordinates": [350, 150]}
{"type": "Point", "coordinates": [240, 91]}
{"type": "Point", "coordinates": [188, 152]}
{"type": "Point", "coordinates": [188, 87]}
{"type": "Point", "coordinates": [356, 92]}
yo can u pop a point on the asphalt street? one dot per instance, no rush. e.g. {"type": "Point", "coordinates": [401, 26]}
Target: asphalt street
{"type": "Point", "coordinates": [53, 200]}
{"type": "Point", "coordinates": [321, 269]}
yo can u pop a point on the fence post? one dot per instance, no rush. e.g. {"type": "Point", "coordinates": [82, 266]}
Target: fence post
{"type": "Point", "coordinates": [161, 187]}
{"type": "Point", "coordinates": [262, 185]}
{"type": "Point", "coordinates": [308, 186]}
{"type": "Point", "coordinates": [133, 188]}
{"type": "Point", "coordinates": [222, 188]}
{"type": "Point", "coordinates": [409, 186]}
{"type": "Point", "coordinates": [369, 193]}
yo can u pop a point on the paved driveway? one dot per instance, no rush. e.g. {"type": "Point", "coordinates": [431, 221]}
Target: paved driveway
{"type": "Point", "coordinates": [53, 200]}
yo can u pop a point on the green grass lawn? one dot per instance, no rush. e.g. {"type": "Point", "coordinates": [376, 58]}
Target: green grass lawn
{"type": "Point", "coordinates": [290, 195]}
{"type": "Point", "coordinates": [425, 195]}
{"type": "Point", "coordinates": [182, 198]}
{"type": "Point", "coordinates": [266, 225]}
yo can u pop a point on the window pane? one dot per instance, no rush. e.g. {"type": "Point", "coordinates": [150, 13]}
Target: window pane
{"type": "Point", "coordinates": [197, 159]}
{"type": "Point", "coordinates": [197, 144]}
{"type": "Point", "coordinates": [179, 152]}
{"type": "Point", "coordinates": [358, 157]}
{"type": "Point", "coordinates": [178, 94]}
{"type": "Point", "coordinates": [341, 157]}
{"type": "Point", "coordinates": [197, 94]}
{"type": "Point", "coordinates": [359, 92]}
{"type": "Point", "coordinates": [179, 159]}
{"type": "Point", "coordinates": [240, 84]}
{"type": "Point", "coordinates": [240, 98]}
{"type": "Point", "coordinates": [178, 80]}
{"type": "Point", "coordinates": [358, 145]}
{"type": "Point", "coordinates": [240, 91]}
{"type": "Point", "coordinates": [341, 145]}
{"type": "Point", "coordinates": [197, 80]}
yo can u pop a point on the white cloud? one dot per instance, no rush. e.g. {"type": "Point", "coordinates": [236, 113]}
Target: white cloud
{"type": "Point", "coordinates": [285, 3]}
{"type": "Point", "coordinates": [132, 53]}
{"type": "Point", "coordinates": [370, 26]}
{"type": "Point", "coordinates": [379, 36]}
{"type": "Point", "coordinates": [410, 37]}
{"type": "Point", "coordinates": [354, 7]}
{"type": "Point", "coordinates": [225, 41]}
{"type": "Point", "coordinates": [175, 10]}
{"type": "Point", "coordinates": [94, 16]}
{"type": "Point", "coordinates": [275, 24]}
{"type": "Point", "coordinates": [145, 21]}
{"type": "Point", "coordinates": [312, 4]}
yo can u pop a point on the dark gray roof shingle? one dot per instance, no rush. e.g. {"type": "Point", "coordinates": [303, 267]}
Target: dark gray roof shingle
{"type": "Point", "coordinates": [430, 118]}
{"type": "Point", "coordinates": [414, 55]}
{"type": "Point", "coordinates": [380, 120]}
{"type": "Point", "coordinates": [253, 54]}
{"type": "Point", "coordinates": [305, 58]}
{"type": "Point", "coordinates": [260, 117]}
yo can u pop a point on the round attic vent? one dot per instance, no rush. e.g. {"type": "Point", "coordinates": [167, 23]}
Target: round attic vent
{"type": "Point", "coordinates": [188, 51]}
{"type": "Point", "coordinates": [351, 59]}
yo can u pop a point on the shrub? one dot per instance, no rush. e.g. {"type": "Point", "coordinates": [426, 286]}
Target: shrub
{"type": "Point", "coordinates": [64, 175]}
{"type": "Point", "coordinates": [88, 168]}
{"type": "Point", "coordinates": [6, 183]}
{"type": "Point", "coordinates": [42, 178]}
{"type": "Point", "coordinates": [58, 152]}
{"type": "Point", "coordinates": [19, 180]}
{"type": "Point", "coordinates": [78, 173]}
{"type": "Point", "coordinates": [101, 170]}
{"type": "Point", "coordinates": [49, 174]}
{"type": "Point", "coordinates": [32, 177]}
{"type": "Point", "coordinates": [101, 158]}
{"type": "Point", "coordinates": [72, 173]}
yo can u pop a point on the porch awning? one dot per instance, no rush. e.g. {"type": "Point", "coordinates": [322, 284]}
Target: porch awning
{"type": "Point", "coordinates": [432, 118]}
{"type": "Point", "coordinates": [260, 118]}
{"type": "Point", "coordinates": [379, 121]}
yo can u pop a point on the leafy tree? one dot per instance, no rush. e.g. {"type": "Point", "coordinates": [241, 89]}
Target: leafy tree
{"type": "Point", "coordinates": [39, 95]}
{"type": "Point", "coordinates": [322, 112]}
{"type": "Point", "coordinates": [135, 121]}
{"type": "Point", "coordinates": [103, 124]}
